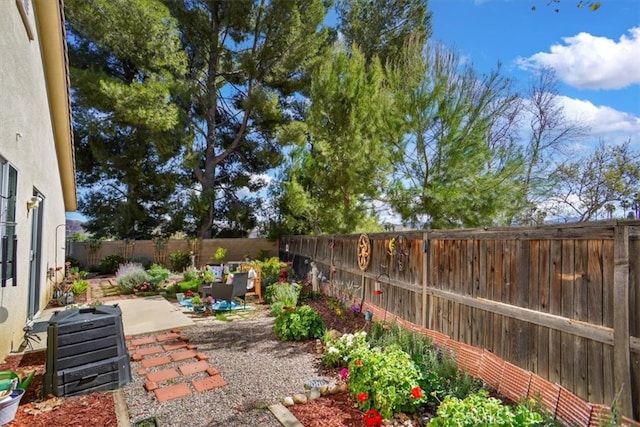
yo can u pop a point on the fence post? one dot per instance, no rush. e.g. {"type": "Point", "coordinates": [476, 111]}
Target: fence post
{"type": "Point", "coordinates": [621, 333]}
{"type": "Point", "coordinates": [426, 303]}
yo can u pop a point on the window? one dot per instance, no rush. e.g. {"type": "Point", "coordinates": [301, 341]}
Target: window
{"type": "Point", "coordinates": [8, 246]}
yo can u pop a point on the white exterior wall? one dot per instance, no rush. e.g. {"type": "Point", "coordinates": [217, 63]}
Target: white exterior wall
{"type": "Point", "coordinates": [27, 142]}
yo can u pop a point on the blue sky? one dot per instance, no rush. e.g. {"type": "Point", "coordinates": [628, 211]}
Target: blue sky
{"type": "Point", "coordinates": [596, 55]}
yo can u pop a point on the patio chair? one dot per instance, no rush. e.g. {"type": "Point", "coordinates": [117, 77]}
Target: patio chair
{"type": "Point", "coordinates": [257, 285]}
{"type": "Point", "coordinates": [237, 288]}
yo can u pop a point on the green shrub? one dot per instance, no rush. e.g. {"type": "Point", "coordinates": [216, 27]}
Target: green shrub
{"type": "Point", "coordinates": [283, 295]}
{"type": "Point", "coordinates": [300, 324]}
{"type": "Point", "coordinates": [189, 275]}
{"type": "Point", "coordinates": [206, 275]}
{"type": "Point", "coordinates": [131, 276]}
{"type": "Point", "coordinates": [79, 286]}
{"type": "Point", "coordinates": [385, 379]}
{"type": "Point", "coordinates": [286, 293]}
{"type": "Point", "coordinates": [158, 275]}
{"type": "Point", "coordinates": [110, 263]}
{"type": "Point", "coordinates": [220, 255]}
{"type": "Point", "coordinates": [480, 409]}
{"type": "Point", "coordinates": [441, 375]}
{"type": "Point", "coordinates": [179, 261]}
{"type": "Point", "coordinates": [263, 255]}
{"type": "Point", "coordinates": [270, 269]}
{"type": "Point", "coordinates": [338, 351]}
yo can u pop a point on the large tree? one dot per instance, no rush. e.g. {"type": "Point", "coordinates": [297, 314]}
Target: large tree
{"type": "Point", "coordinates": [247, 60]}
{"type": "Point", "coordinates": [337, 173]}
{"type": "Point", "coordinates": [546, 136]}
{"type": "Point", "coordinates": [454, 163]}
{"type": "Point", "coordinates": [126, 59]}
{"type": "Point", "coordinates": [586, 186]}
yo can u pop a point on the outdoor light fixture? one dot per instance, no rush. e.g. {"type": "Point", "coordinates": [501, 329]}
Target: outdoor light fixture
{"type": "Point", "coordinates": [33, 203]}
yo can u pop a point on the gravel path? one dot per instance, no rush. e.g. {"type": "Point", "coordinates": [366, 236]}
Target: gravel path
{"type": "Point", "coordinates": [258, 368]}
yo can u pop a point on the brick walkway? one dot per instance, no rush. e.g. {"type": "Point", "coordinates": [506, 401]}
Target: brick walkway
{"type": "Point", "coordinates": [155, 353]}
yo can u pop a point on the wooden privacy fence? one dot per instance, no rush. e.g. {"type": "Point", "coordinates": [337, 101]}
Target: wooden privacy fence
{"type": "Point", "coordinates": [89, 254]}
{"type": "Point", "coordinates": [560, 301]}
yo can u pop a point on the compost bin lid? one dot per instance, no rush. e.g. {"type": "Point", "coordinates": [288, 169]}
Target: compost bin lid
{"type": "Point", "coordinates": [76, 315]}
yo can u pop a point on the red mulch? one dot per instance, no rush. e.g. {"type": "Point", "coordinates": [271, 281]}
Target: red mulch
{"type": "Point", "coordinates": [96, 409]}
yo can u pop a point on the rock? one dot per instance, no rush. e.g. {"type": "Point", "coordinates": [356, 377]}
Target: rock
{"type": "Point", "coordinates": [316, 383]}
{"type": "Point", "coordinates": [288, 401]}
{"type": "Point", "coordinates": [324, 390]}
{"type": "Point", "coordinates": [313, 394]}
{"type": "Point", "coordinates": [299, 398]}
{"type": "Point", "coordinates": [343, 387]}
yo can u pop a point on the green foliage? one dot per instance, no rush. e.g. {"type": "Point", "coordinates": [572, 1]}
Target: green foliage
{"type": "Point", "coordinates": [220, 255]}
{"type": "Point", "coordinates": [283, 295]}
{"type": "Point", "coordinates": [207, 276]}
{"type": "Point", "coordinates": [196, 299]}
{"type": "Point", "coordinates": [300, 324]}
{"type": "Point", "coordinates": [110, 263]}
{"type": "Point", "coordinates": [338, 351]}
{"type": "Point", "coordinates": [125, 79]}
{"type": "Point", "coordinates": [270, 269]}
{"type": "Point", "coordinates": [190, 275]}
{"type": "Point", "coordinates": [263, 255]}
{"type": "Point", "coordinates": [240, 140]}
{"type": "Point", "coordinates": [329, 183]}
{"type": "Point", "coordinates": [441, 377]}
{"type": "Point", "coordinates": [189, 285]}
{"type": "Point", "coordinates": [381, 28]}
{"type": "Point", "coordinates": [79, 286]}
{"type": "Point", "coordinates": [609, 174]}
{"type": "Point", "coordinates": [131, 276]}
{"type": "Point", "coordinates": [387, 376]}
{"type": "Point", "coordinates": [444, 166]}
{"type": "Point", "coordinates": [179, 261]}
{"type": "Point", "coordinates": [158, 275]}
{"type": "Point", "coordinates": [480, 409]}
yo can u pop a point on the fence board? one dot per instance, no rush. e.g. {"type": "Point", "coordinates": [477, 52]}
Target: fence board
{"type": "Point", "coordinates": [580, 306]}
{"type": "Point", "coordinates": [544, 290]}
{"type": "Point", "coordinates": [567, 285]}
{"type": "Point", "coordinates": [594, 316]}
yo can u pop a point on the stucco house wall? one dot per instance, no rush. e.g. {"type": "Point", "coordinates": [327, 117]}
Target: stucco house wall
{"type": "Point", "coordinates": [38, 144]}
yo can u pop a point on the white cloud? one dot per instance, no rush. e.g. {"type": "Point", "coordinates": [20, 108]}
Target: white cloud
{"type": "Point", "coordinates": [603, 121]}
{"type": "Point", "coordinates": [591, 62]}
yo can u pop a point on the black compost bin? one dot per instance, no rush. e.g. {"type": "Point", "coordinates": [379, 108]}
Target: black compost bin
{"type": "Point", "coordinates": [86, 351]}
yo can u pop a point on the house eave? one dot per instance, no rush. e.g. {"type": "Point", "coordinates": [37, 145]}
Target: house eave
{"type": "Point", "coordinates": [51, 31]}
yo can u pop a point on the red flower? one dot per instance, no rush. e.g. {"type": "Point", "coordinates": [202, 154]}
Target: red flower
{"type": "Point", "coordinates": [372, 418]}
{"type": "Point", "coordinates": [416, 392]}
{"type": "Point", "coordinates": [377, 292]}
{"type": "Point", "coordinates": [358, 363]}
{"type": "Point", "coordinates": [362, 397]}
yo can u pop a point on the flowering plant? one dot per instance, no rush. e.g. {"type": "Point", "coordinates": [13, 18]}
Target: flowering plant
{"type": "Point", "coordinates": [337, 351]}
{"type": "Point", "coordinates": [344, 374]}
{"type": "Point", "coordinates": [387, 377]}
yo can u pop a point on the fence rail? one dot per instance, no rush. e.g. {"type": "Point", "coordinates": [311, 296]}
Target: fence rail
{"type": "Point", "coordinates": [561, 301]}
